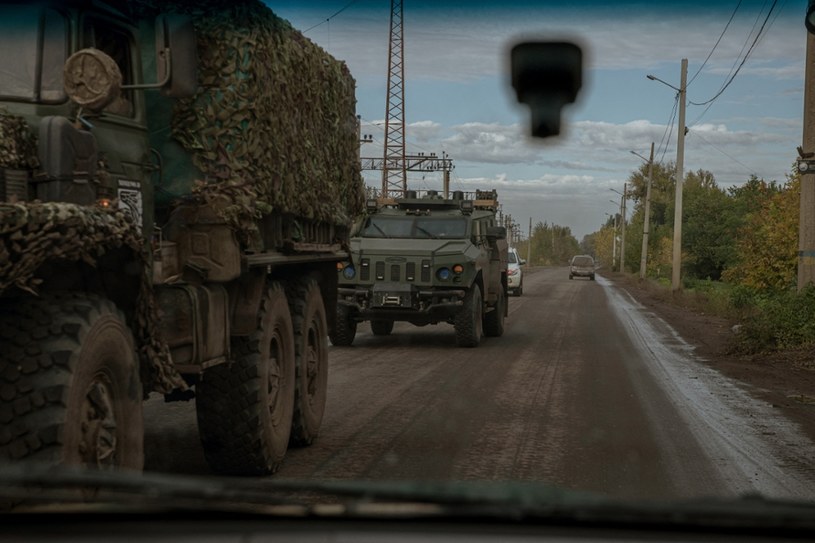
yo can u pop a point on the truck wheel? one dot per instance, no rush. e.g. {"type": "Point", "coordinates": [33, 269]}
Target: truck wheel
{"type": "Point", "coordinates": [468, 322]}
{"type": "Point", "coordinates": [245, 408]}
{"type": "Point", "coordinates": [494, 320]}
{"type": "Point", "coordinates": [381, 327]}
{"type": "Point", "coordinates": [345, 328]}
{"type": "Point", "coordinates": [310, 361]}
{"type": "Point", "coordinates": [520, 290]}
{"type": "Point", "coordinates": [70, 391]}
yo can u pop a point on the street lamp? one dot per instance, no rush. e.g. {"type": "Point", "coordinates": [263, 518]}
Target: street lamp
{"type": "Point", "coordinates": [680, 157]}
{"type": "Point", "coordinates": [646, 224]}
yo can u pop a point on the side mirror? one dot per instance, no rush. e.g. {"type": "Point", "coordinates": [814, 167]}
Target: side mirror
{"type": "Point", "coordinates": [176, 55]}
{"type": "Point", "coordinates": [496, 232]}
{"type": "Point", "coordinates": [546, 76]}
{"type": "Point", "coordinates": [523, 262]}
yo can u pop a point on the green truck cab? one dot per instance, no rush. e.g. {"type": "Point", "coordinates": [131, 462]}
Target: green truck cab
{"type": "Point", "coordinates": [426, 260]}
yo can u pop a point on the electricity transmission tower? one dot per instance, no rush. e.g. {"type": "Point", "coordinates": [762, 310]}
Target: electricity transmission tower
{"type": "Point", "coordinates": [394, 174]}
{"type": "Point", "coordinates": [395, 163]}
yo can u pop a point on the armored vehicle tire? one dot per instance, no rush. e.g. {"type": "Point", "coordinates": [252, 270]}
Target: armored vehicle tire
{"type": "Point", "coordinates": [494, 320]}
{"type": "Point", "coordinates": [381, 327]}
{"type": "Point", "coordinates": [245, 408]}
{"type": "Point", "coordinates": [468, 322]}
{"type": "Point", "coordinates": [345, 328]}
{"type": "Point", "coordinates": [69, 376]}
{"type": "Point", "coordinates": [310, 360]}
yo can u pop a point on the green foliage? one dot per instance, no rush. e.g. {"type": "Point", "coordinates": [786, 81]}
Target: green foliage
{"type": "Point", "coordinates": [767, 245]}
{"type": "Point", "coordinates": [552, 244]}
{"type": "Point", "coordinates": [775, 320]}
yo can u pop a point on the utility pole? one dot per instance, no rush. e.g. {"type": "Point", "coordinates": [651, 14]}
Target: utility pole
{"type": "Point", "coordinates": [529, 243]}
{"type": "Point", "coordinates": [646, 224]}
{"type": "Point", "coordinates": [676, 283]}
{"type": "Point", "coordinates": [622, 228]}
{"type": "Point", "coordinates": [806, 169]}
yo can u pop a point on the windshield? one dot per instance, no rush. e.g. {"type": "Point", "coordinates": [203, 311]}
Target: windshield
{"type": "Point", "coordinates": [38, 39]}
{"type": "Point", "coordinates": [415, 228]}
{"type": "Point", "coordinates": [252, 337]}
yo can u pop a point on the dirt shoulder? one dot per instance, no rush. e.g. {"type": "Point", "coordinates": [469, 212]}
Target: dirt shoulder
{"type": "Point", "coordinates": [785, 379]}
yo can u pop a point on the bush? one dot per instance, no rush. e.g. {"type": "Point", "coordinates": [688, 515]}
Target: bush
{"type": "Point", "coordinates": [775, 320]}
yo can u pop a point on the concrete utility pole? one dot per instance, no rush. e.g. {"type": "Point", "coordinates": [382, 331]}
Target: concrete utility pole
{"type": "Point", "coordinates": [806, 168]}
{"type": "Point", "coordinates": [529, 244]}
{"type": "Point", "coordinates": [646, 224]}
{"type": "Point", "coordinates": [676, 279]}
{"type": "Point", "coordinates": [676, 283]}
{"type": "Point", "coordinates": [622, 228]}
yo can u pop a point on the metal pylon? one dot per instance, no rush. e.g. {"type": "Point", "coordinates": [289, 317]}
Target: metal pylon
{"type": "Point", "coordinates": [394, 175]}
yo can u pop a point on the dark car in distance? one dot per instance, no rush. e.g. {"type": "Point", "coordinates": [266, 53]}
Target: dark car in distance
{"type": "Point", "coordinates": [582, 266]}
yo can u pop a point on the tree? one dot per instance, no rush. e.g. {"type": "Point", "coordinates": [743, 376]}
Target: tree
{"type": "Point", "coordinates": [767, 244]}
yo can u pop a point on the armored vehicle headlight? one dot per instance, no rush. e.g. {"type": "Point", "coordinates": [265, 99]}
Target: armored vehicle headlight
{"type": "Point", "coordinates": [443, 274]}
{"type": "Point", "coordinates": [458, 269]}
{"type": "Point", "coordinates": [349, 272]}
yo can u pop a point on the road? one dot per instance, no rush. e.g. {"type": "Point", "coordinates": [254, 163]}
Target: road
{"type": "Point", "coordinates": [585, 390]}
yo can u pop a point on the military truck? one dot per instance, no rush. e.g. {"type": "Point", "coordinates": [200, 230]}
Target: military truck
{"type": "Point", "coordinates": [426, 260]}
{"type": "Point", "coordinates": [166, 226]}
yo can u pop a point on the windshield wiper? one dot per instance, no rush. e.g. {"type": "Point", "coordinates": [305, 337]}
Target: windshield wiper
{"type": "Point", "coordinates": [429, 234]}
{"type": "Point", "coordinates": [384, 235]}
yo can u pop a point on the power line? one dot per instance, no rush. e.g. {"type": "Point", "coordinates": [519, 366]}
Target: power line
{"type": "Point", "coordinates": [716, 44]}
{"type": "Point", "coordinates": [746, 56]}
{"type": "Point", "coordinates": [747, 168]}
{"type": "Point", "coordinates": [346, 6]}
{"type": "Point", "coordinates": [668, 130]}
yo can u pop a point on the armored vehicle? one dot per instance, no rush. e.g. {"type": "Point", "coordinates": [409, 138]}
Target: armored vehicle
{"type": "Point", "coordinates": [166, 226]}
{"type": "Point", "coordinates": [426, 260]}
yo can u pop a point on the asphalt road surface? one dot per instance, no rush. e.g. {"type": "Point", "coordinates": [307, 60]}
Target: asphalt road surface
{"type": "Point", "coordinates": [586, 390]}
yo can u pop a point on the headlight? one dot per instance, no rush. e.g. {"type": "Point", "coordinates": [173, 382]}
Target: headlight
{"type": "Point", "coordinates": [512, 271]}
{"type": "Point", "coordinates": [349, 272]}
{"type": "Point", "coordinates": [443, 274]}
{"type": "Point", "coordinates": [458, 269]}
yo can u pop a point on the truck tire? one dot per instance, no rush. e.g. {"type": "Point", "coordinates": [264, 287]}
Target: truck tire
{"type": "Point", "coordinates": [310, 360]}
{"type": "Point", "coordinates": [468, 322]}
{"type": "Point", "coordinates": [70, 391]}
{"type": "Point", "coordinates": [345, 328]}
{"type": "Point", "coordinates": [381, 327]}
{"type": "Point", "coordinates": [494, 320]}
{"type": "Point", "coordinates": [245, 408]}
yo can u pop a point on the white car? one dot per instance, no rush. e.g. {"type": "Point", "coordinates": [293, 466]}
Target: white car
{"type": "Point", "coordinates": [515, 276]}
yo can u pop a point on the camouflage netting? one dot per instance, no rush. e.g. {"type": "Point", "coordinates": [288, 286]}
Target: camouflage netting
{"type": "Point", "coordinates": [18, 145]}
{"type": "Point", "coordinates": [33, 233]}
{"type": "Point", "coordinates": [273, 125]}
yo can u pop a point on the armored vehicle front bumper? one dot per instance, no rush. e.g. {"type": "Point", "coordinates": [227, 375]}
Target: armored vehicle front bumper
{"type": "Point", "coordinates": [401, 301]}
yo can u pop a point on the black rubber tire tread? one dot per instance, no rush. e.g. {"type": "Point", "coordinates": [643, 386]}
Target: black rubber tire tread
{"type": "Point", "coordinates": [381, 327]}
{"type": "Point", "coordinates": [345, 329]}
{"type": "Point", "coordinates": [310, 328]}
{"type": "Point", "coordinates": [468, 322]}
{"type": "Point", "coordinates": [494, 320]}
{"type": "Point", "coordinates": [52, 350]}
{"type": "Point", "coordinates": [235, 420]}
{"type": "Point", "coordinates": [520, 290]}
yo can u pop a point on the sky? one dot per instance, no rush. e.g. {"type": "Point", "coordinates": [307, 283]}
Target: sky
{"type": "Point", "coordinates": [459, 99]}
